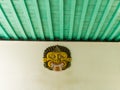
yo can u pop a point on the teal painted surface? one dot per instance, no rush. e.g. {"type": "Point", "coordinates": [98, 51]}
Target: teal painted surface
{"type": "Point", "coordinates": [88, 20]}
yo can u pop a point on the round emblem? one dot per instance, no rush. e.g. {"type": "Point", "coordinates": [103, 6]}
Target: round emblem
{"type": "Point", "coordinates": [57, 58]}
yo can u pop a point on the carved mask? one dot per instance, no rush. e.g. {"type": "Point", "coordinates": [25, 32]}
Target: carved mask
{"type": "Point", "coordinates": [57, 58]}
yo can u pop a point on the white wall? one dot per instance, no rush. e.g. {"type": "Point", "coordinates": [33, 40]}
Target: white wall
{"type": "Point", "coordinates": [95, 66]}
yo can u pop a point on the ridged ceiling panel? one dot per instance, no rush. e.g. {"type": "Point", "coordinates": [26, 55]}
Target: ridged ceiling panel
{"type": "Point", "coordinates": [76, 20]}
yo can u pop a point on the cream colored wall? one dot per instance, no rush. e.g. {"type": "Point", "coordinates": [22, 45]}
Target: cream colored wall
{"type": "Point", "coordinates": [95, 66]}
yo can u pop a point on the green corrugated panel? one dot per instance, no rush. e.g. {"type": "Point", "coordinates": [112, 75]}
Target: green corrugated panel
{"type": "Point", "coordinates": [61, 23]}
{"type": "Point", "coordinates": [106, 12]}
{"type": "Point", "coordinates": [77, 17]}
{"type": "Point", "coordinates": [3, 34]}
{"type": "Point", "coordinates": [117, 38]}
{"type": "Point", "coordinates": [22, 13]}
{"type": "Point", "coordinates": [98, 19]}
{"type": "Point", "coordinates": [33, 11]}
{"type": "Point", "coordinates": [11, 15]}
{"type": "Point", "coordinates": [88, 16]}
{"type": "Point", "coordinates": [54, 7]}
{"type": "Point", "coordinates": [57, 9]}
{"type": "Point", "coordinates": [72, 14]}
{"type": "Point", "coordinates": [69, 10]}
{"type": "Point", "coordinates": [45, 12]}
{"type": "Point", "coordinates": [60, 20]}
{"type": "Point", "coordinates": [84, 10]}
{"type": "Point", "coordinates": [92, 20]}
{"type": "Point", "coordinates": [106, 23]}
{"type": "Point", "coordinates": [113, 19]}
{"type": "Point", "coordinates": [57, 18]}
{"type": "Point", "coordinates": [5, 22]}
{"type": "Point", "coordinates": [115, 33]}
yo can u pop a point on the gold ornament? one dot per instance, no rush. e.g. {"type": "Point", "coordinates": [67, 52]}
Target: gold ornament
{"type": "Point", "coordinates": [57, 58]}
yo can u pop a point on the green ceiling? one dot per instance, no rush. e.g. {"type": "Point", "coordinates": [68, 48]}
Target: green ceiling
{"type": "Point", "coordinates": [81, 20]}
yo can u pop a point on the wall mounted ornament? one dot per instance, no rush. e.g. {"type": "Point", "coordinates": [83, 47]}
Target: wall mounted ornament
{"type": "Point", "coordinates": [57, 58]}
